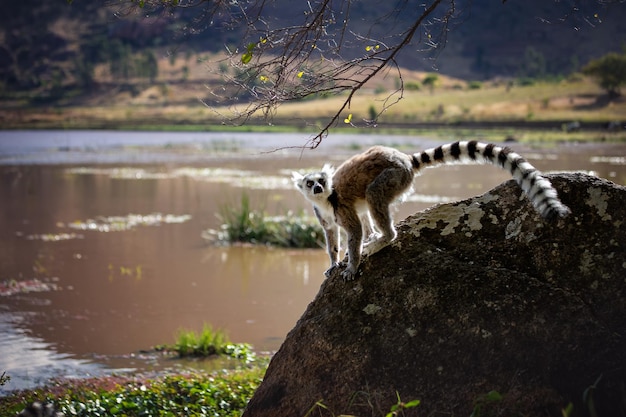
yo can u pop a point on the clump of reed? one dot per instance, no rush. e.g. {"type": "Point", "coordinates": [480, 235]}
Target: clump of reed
{"type": "Point", "coordinates": [244, 225]}
{"type": "Point", "coordinates": [210, 342]}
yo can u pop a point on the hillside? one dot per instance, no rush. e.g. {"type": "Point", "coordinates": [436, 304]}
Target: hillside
{"type": "Point", "coordinates": [88, 53]}
{"type": "Point", "coordinates": [532, 38]}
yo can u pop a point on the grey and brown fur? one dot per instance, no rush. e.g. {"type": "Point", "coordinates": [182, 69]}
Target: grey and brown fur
{"type": "Point", "coordinates": [363, 188]}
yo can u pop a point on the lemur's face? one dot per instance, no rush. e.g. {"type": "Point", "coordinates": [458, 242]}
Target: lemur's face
{"type": "Point", "coordinates": [315, 185]}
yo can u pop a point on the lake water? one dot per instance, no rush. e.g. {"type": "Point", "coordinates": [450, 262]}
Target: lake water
{"type": "Point", "coordinates": [101, 247]}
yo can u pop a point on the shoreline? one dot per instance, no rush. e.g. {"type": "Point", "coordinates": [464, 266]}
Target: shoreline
{"type": "Point", "coordinates": [142, 147]}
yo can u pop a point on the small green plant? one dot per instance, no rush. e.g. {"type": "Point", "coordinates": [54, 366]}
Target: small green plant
{"type": "Point", "coordinates": [588, 399]}
{"type": "Point", "coordinates": [243, 224]}
{"type": "Point", "coordinates": [484, 401]}
{"type": "Point", "coordinates": [318, 405]}
{"type": "Point", "coordinates": [567, 411]}
{"type": "Point", "coordinates": [189, 343]}
{"type": "Point", "coordinates": [398, 408]}
{"type": "Point", "coordinates": [210, 342]}
{"type": "Point", "coordinates": [395, 410]}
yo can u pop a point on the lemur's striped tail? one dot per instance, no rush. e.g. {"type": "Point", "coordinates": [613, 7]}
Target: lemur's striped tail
{"type": "Point", "coordinates": [538, 188]}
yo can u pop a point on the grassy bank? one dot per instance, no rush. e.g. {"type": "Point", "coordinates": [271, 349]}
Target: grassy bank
{"type": "Point", "coordinates": [520, 110]}
{"type": "Point", "coordinates": [189, 394]}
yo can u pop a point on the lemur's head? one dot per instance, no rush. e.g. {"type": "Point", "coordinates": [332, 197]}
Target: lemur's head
{"type": "Point", "coordinates": [315, 186]}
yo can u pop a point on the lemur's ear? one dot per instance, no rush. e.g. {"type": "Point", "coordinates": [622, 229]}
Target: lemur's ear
{"type": "Point", "coordinates": [296, 177]}
{"type": "Point", "coordinates": [328, 170]}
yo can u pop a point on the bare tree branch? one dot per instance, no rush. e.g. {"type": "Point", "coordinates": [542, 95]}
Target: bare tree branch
{"type": "Point", "coordinates": [294, 63]}
{"type": "Point", "coordinates": [275, 64]}
{"type": "Point", "coordinates": [321, 51]}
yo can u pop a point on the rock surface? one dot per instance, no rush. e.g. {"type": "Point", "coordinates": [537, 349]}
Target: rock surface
{"type": "Point", "coordinates": [476, 297]}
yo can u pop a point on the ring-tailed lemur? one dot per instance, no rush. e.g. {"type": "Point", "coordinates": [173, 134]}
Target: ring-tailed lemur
{"type": "Point", "coordinates": [364, 187]}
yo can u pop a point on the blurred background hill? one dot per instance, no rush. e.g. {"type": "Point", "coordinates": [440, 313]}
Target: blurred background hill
{"type": "Point", "coordinates": [90, 51]}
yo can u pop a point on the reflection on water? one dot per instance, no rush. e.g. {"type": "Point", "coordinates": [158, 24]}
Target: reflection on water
{"type": "Point", "coordinates": [83, 289]}
{"type": "Point", "coordinates": [30, 361]}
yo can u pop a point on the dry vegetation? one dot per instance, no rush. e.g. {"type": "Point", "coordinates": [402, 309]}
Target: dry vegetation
{"type": "Point", "coordinates": [179, 99]}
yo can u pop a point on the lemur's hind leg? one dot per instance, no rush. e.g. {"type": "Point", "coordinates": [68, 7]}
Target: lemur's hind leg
{"type": "Point", "coordinates": [348, 218]}
{"type": "Point", "coordinates": [369, 231]}
{"type": "Point", "coordinates": [380, 194]}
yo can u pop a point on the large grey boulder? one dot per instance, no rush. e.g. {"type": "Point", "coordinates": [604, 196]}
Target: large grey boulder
{"type": "Point", "coordinates": [477, 306]}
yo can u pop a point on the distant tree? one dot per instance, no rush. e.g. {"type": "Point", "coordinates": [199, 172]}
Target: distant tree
{"type": "Point", "coordinates": [308, 56]}
{"type": "Point", "coordinates": [119, 56]}
{"type": "Point", "coordinates": [430, 81]}
{"type": "Point", "coordinates": [534, 64]}
{"type": "Point", "coordinates": [373, 114]}
{"type": "Point", "coordinates": [609, 71]}
{"type": "Point", "coordinates": [149, 65]}
{"type": "Point", "coordinates": [84, 73]}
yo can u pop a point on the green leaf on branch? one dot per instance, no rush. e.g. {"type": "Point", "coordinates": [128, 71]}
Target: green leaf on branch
{"type": "Point", "coordinates": [247, 57]}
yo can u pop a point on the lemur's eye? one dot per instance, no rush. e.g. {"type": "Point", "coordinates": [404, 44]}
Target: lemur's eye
{"type": "Point", "coordinates": [322, 182]}
{"type": "Point", "coordinates": [309, 184]}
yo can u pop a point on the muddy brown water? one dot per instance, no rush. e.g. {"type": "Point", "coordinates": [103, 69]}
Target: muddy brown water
{"type": "Point", "coordinates": [101, 247]}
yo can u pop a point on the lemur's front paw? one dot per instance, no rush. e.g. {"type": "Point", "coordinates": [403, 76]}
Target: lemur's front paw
{"type": "Point", "coordinates": [333, 267]}
{"type": "Point", "coordinates": [349, 273]}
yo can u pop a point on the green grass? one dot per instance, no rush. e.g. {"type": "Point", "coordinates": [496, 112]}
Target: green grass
{"type": "Point", "coordinates": [221, 394]}
{"type": "Point", "coordinates": [542, 101]}
{"type": "Point", "coordinates": [210, 342]}
{"type": "Point", "coordinates": [575, 98]}
{"type": "Point", "coordinates": [242, 224]}
{"type": "Point", "coordinates": [224, 393]}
